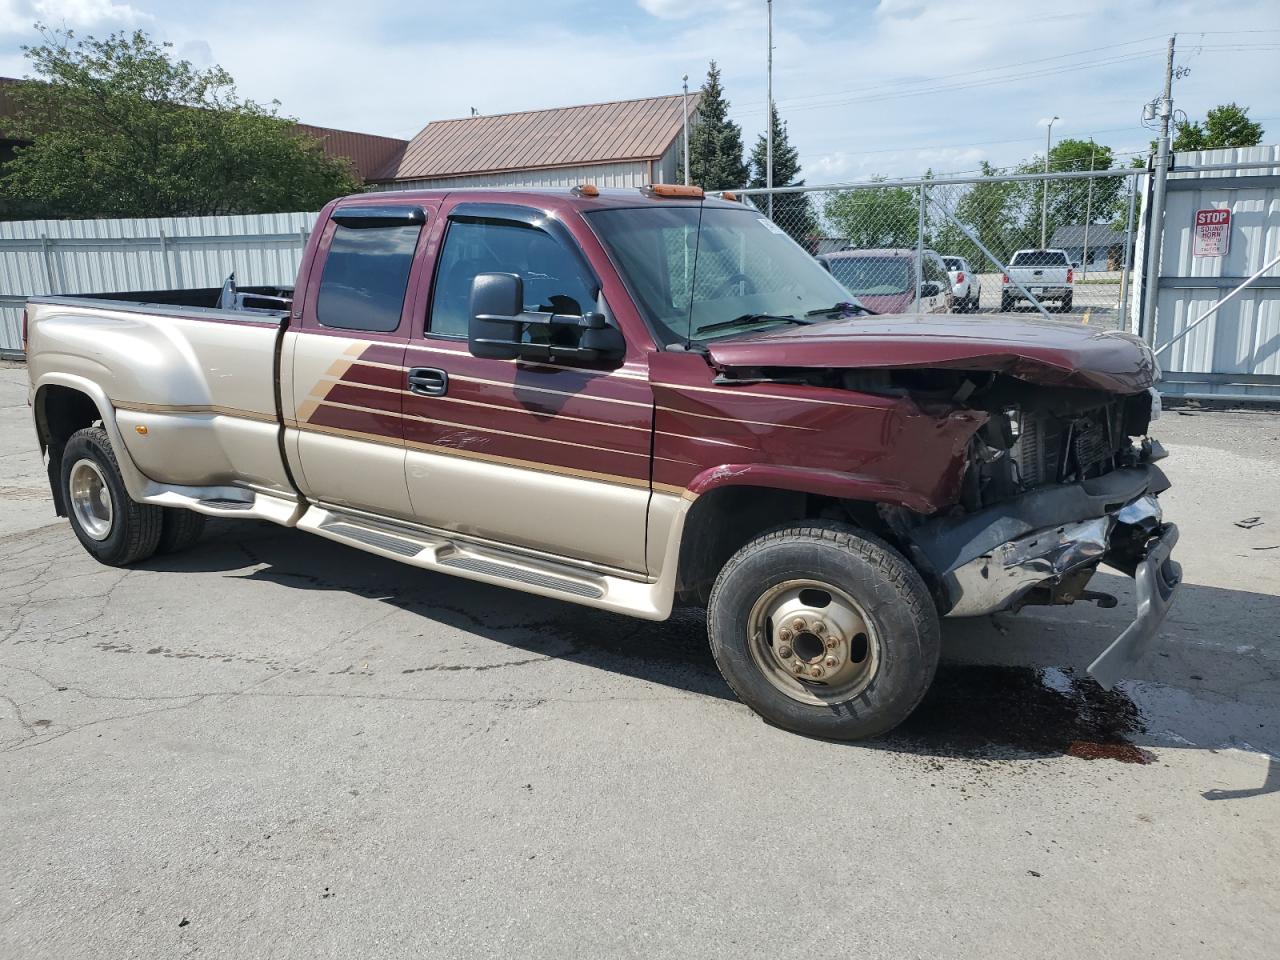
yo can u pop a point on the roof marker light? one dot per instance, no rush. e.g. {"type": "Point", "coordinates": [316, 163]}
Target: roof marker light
{"type": "Point", "coordinates": [671, 190]}
{"type": "Point", "coordinates": [730, 196]}
{"type": "Point", "coordinates": [586, 190]}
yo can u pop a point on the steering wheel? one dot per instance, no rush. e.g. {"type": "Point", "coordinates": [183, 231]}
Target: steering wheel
{"type": "Point", "coordinates": [748, 285]}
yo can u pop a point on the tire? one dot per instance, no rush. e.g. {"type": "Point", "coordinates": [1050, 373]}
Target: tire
{"type": "Point", "coordinates": [115, 529]}
{"type": "Point", "coordinates": [865, 618]}
{"type": "Point", "coordinates": [179, 529]}
{"type": "Point", "coordinates": [1006, 303]}
{"type": "Point", "coordinates": [1065, 306]}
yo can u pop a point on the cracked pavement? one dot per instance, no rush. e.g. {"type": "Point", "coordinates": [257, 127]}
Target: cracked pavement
{"type": "Point", "coordinates": [275, 746]}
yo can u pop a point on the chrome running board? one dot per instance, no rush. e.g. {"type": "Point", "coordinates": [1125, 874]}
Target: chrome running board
{"type": "Point", "coordinates": [488, 564]}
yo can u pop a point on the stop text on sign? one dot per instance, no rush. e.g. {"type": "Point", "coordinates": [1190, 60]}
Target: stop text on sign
{"type": "Point", "coordinates": [1212, 233]}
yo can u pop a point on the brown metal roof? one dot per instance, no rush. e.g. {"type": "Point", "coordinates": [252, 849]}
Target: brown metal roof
{"type": "Point", "coordinates": [566, 136]}
{"type": "Point", "coordinates": [368, 153]}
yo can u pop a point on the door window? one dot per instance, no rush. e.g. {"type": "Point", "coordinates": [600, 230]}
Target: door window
{"type": "Point", "coordinates": [365, 276]}
{"type": "Point", "coordinates": [553, 280]}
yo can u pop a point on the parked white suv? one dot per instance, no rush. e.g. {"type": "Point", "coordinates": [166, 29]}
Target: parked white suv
{"type": "Point", "coordinates": [965, 285]}
{"type": "Point", "coordinates": [1047, 274]}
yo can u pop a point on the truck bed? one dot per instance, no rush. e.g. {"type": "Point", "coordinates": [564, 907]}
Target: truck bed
{"type": "Point", "coordinates": [199, 302]}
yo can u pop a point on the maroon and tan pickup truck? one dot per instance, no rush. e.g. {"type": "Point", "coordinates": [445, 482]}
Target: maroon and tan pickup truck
{"type": "Point", "coordinates": [628, 399]}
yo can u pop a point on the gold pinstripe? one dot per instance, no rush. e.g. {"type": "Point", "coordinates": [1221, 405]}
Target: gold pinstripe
{"type": "Point", "coordinates": [194, 408]}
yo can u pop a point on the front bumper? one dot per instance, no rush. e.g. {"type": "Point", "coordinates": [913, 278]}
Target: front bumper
{"type": "Point", "coordinates": [1003, 559]}
{"type": "Point", "coordinates": [1157, 578]}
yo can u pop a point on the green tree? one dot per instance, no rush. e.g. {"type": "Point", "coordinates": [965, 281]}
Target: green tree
{"type": "Point", "coordinates": [715, 142]}
{"type": "Point", "coordinates": [874, 217]}
{"type": "Point", "coordinates": [119, 128]}
{"type": "Point", "coordinates": [791, 211]}
{"type": "Point", "coordinates": [1227, 125]}
{"type": "Point", "coordinates": [1071, 202]}
{"type": "Point", "coordinates": [993, 210]}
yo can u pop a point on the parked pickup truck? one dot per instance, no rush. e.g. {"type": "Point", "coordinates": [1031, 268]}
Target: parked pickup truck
{"type": "Point", "coordinates": [1045, 274]}
{"type": "Point", "coordinates": [626, 399]}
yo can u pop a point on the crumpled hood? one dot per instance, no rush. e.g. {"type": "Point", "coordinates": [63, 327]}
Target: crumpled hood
{"type": "Point", "coordinates": [1039, 351]}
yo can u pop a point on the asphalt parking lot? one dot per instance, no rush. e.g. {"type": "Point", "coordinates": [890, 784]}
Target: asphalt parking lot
{"type": "Point", "coordinates": [275, 746]}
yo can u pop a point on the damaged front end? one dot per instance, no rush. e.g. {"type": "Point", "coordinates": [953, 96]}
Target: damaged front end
{"type": "Point", "coordinates": [1054, 489]}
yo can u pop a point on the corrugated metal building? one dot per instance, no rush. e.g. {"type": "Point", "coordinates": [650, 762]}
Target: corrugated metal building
{"type": "Point", "coordinates": [624, 143]}
{"type": "Point", "coordinates": [1236, 352]}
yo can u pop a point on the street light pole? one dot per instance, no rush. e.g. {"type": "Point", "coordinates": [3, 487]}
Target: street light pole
{"type": "Point", "coordinates": [1044, 193]}
{"type": "Point", "coordinates": [768, 120]}
{"type": "Point", "coordinates": [684, 102]}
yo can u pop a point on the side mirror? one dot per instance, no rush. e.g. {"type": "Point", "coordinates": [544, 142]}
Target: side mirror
{"type": "Point", "coordinates": [501, 329]}
{"type": "Point", "coordinates": [929, 289]}
{"type": "Point", "coordinates": [1076, 265]}
{"type": "Point", "coordinates": [493, 331]}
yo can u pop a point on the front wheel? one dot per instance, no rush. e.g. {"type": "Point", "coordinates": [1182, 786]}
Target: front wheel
{"type": "Point", "coordinates": [113, 527]}
{"type": "Point", "coordinates": [1066, 304]}
{"type": "Point", "coordinates": [824, 630]}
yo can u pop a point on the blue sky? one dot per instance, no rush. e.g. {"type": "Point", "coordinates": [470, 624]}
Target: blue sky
{"type": "Point", "coordinates": [889, 87]}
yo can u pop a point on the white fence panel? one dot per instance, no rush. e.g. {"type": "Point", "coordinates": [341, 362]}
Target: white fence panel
{"type": "Point", "coordinates": [1236, 352]}
{"type": "Point", "coordinates": [107, 256]}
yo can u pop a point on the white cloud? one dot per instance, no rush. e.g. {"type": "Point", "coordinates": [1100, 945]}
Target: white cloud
{"type": "Point", "coordinates": [17, 16]}
{"type": "Point", "coordinates": [886, 89]}
{"type": "Point", "coordinates": [684, 9]}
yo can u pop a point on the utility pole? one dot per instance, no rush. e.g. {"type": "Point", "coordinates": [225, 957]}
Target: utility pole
{"type": "Point", "coordinates": [1044, 192]}
{"type": "Point", "coordinates": [1155, 222]}
{"type": "Point", "coordinates": [684, 102]}
{"type": "Point", "coordinates": [1088, 212]}
{"type": "Point", "coordinates": [768, 120]}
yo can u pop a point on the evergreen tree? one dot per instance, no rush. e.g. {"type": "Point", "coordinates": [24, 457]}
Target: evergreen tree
{"type": "Point", "coordinates": [791, 211]}
{"type": "Point", "coordinates": [715, 142]}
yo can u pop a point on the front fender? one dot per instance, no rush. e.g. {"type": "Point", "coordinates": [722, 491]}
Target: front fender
{"type": "Point", "coordinates": [826, 483]}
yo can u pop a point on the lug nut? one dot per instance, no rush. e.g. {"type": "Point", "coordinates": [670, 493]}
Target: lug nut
{"type": "Point", "coordinates": [819, 628]}
{"type": "Point", "coordinates": [797, 623]}
{"type": "Point", "coordinates": [832, 643]}
{"type": "Point", "coordinates": [832, 662]}
{"type": "Point", "coordinates": [798, 666]}
{"type": "Point", "coordinates": [784, 653]}
{"type": "Point", "coordinates": [784, 634]}
{"type": "Point", "coordinates": [815, 671]}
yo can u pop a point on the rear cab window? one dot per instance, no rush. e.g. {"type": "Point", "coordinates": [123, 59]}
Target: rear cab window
{"type": "Point", "coordinates": [365, 274]}
{"type": "Point", "coordinates": [1039, 258]}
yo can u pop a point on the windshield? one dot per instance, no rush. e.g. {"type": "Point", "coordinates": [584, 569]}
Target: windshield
{"type": "Point", "coordinates": [741, 267]}
{"type": "Point", "coordinates": [874, 276]}
{"type": "Point", "coordinates": [954, 263]}
{"type": "Point", "coordinates": [1039, 258]}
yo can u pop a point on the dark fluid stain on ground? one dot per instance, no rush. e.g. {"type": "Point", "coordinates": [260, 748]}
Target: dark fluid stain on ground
{"type": "Point", "coordinates": [983, 711]}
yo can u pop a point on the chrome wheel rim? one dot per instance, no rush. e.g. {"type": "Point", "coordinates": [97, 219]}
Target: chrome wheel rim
{"type": "Point", "coordinates": [90, 499]}
{"type": "Point", "coordinates": [813, 642]}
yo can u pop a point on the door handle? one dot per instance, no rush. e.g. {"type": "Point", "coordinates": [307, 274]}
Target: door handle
{"type": "Point", "coordinates": [428, 381]}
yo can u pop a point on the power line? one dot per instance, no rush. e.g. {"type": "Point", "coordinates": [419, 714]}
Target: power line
{"type": "Point", "coordinates": [961, 73]}
{"type": "Point", "coordinates": [1051, 71]}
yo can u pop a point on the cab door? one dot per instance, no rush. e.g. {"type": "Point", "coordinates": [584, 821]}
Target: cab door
{"type": "Point", "coordinates": [552, 458]}
{"type": "Point", "coordinates": [342, 364]}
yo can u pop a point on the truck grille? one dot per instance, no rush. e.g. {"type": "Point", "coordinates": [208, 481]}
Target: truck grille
{"type": "Point", "coordinates": [1053, 449]}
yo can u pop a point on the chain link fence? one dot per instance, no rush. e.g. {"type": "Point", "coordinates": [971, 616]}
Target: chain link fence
{"type": "Point", "coordinates": [1059, 245]}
